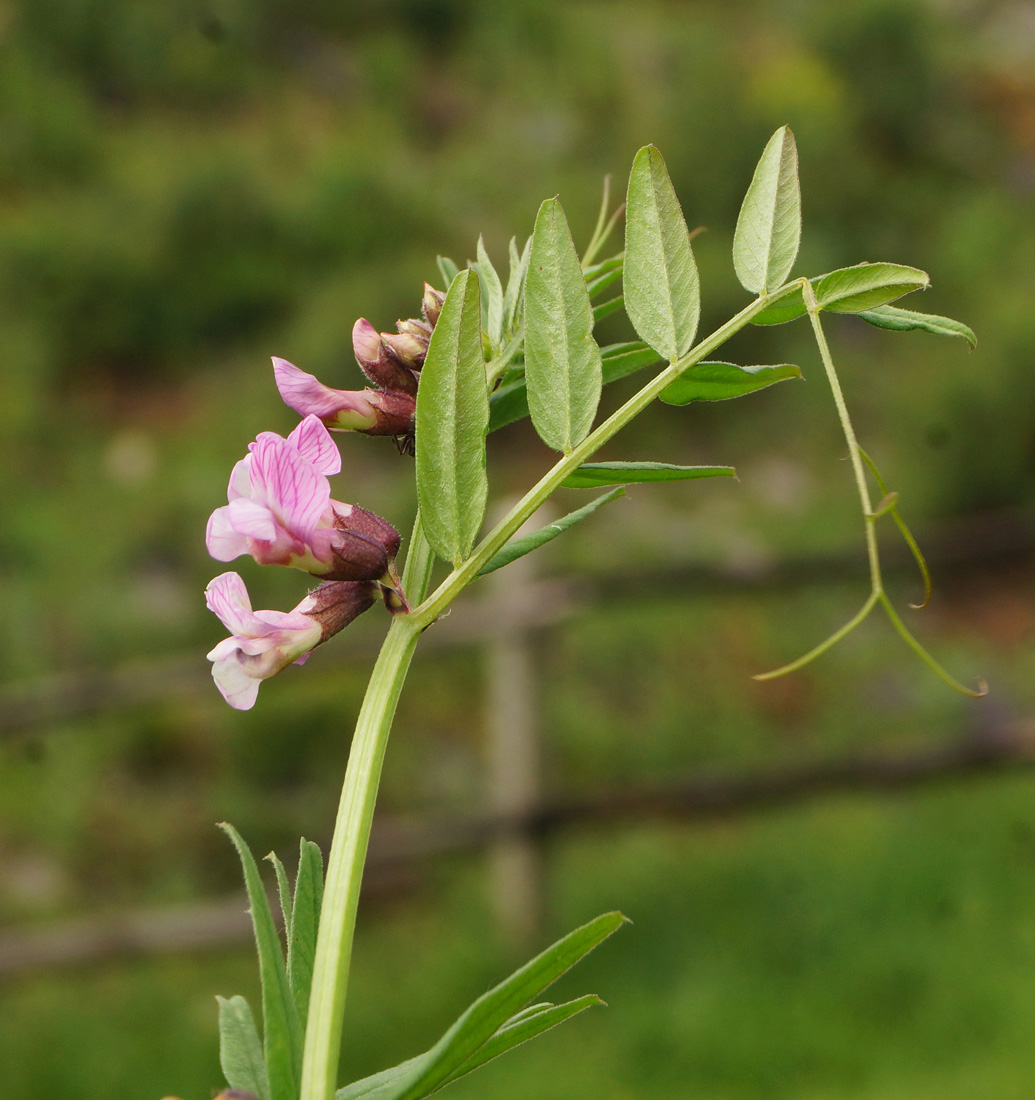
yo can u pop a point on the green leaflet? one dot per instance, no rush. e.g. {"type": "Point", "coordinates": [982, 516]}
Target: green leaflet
{"type": "Point", "coordinates": [518, 1029]}
{"type": "Point", "coordinates": [592, 475]}
{"type": "Point", "coordinates": [240, 1050]}
{"type": "Point", "coordinates": [281, 1030]}
{"type": "Point", "coordinates": [722, 381]}
{"type": "Point", "coordinates": [849, 290]}
{"type": "Point", "coordinates": [904, 320]}
{"type": "Point", "coordinates": [482, 1024]}
{"type": "Point", "coordinates": [447, 269]}
{"type": "Point", "coordinates": [452, 419]}
{"type": "Point", "coordinates": [492, 298]}
{"type": "Point", "coordinates": [525, 544]}
{"type": "Point", "coordinates": [662, 292]}
{"type": "Point", "coordinates": [305, 920]}
{"type": "Point", "coordinates": [515, 283]}
{"type": "Point", "coordinates": [562, 360]}
{"type": "Point", "coordinates": [510, 400]}
{"type": "Point", "coordinates": [768, 232]}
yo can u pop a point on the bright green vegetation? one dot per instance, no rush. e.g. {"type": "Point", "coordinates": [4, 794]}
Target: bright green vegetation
{"type": "Point", "coordinates": [186, 189]}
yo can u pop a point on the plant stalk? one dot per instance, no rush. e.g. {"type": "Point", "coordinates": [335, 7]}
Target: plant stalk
{"type": "Point", "coordinates": [347, 856]}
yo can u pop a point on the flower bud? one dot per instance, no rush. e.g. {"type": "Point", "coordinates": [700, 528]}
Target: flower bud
{"type": "Point", "coordinates": [334, 605]}
{"type": "Point", "coordinates": [376, 361]}
{"type": "Point", "coordinates": [363, 546]}
{"type": "Point", "coordinates": [413, 327]}
{"type": "Point", "coordinates": [394, 412]}
{"type": "Point", "coordinates": [236, 1094]}
{"type": "Point", "coordinates": [405, 349]}
{"type": "Point", "coordinates": [431, 304]}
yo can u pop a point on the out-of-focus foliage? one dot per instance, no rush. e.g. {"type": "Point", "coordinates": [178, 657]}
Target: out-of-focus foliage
{"type": "Point", "coordinates": [189, 187]}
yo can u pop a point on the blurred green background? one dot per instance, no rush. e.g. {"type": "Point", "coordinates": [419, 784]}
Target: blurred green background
{"type": "Point", "coordinates": [189, 187]}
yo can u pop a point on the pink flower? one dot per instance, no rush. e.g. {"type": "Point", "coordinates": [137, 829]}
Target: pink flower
{"type": "Point", "coordinates": [374, 412]}
{"type": "Point", "coordinates": [280, 511]}
{"type": "Point", "coordinates": [265, 642]}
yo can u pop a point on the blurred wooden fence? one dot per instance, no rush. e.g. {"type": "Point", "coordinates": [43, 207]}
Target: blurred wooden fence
{"type": "Point", "coordinates": [515, 608]}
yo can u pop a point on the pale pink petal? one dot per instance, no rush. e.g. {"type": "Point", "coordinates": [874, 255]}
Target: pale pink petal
{"type": "Point", "coordinates": [240, 480]}
{"type": "Point", "coordinates": [295, 492]}
{"type": "Point", "coordinates": [366, 341]}
{"type": "Point", "coordinates": [238, 688]}
{"type": "Point", "coordinates": [304, 392]}
{"type": "Point", "coordinates": [227, 596]}
{"type": "Point", "coordinates": [250, 518]}
{"type": "Point", "coordinates": [313, 442]}
{"type": "Point", "coordinates": [223, 542]}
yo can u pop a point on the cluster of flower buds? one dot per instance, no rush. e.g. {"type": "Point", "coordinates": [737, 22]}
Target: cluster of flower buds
{"type": "Point", "coordinates": [391, 361]}
{"type": "Point", "coordinates": [279, 510]}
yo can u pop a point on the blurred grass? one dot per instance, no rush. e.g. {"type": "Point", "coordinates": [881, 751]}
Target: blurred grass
{"type": "Point", "coordinates": [188, 188]}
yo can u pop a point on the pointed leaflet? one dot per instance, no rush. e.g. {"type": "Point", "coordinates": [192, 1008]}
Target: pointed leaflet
{"type": "Point", "coordinates": [492, 291]}
{"type": "Point", "coordinates": [281, 1032]}
{"type": "Point", "coordinates": [592, 475]}
{"type": "Point", "coordinates": [240, 1051]}
{"type": "Point", "coordinates": [483, 1020]}
{"type": "Point", "coordinates": [662, 294]}
{"type": "Point", "coordinates": [722, 381]}
{"type": "Point", "coordinates": [518, 1029]}
{"type": "Point", "coordinates": [283, 893]}
{"type": "Point", "coordinates": [562, 360]}
{"type": "Point", "coordinates": [765, 243]}
{"type": "Point", "coordinates": [452, 419]}
{"type": "Point", "coordinates": [515, 282]}
{"type": "Point", "coordinates": [848, 290]}
{"type": "Point", "coordinates": [305, 920]}
{"type": "Point", "coordinates": [525, 544]}
{"type": "Point", "coordinates": [905, 320]}
{"type": "Point", "coordinates": [510, 401]}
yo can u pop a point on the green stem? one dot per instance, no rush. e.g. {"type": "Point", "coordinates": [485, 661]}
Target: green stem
{"type": "Point", "coordinates": [854, 450]}
{"type": "Point", "coordinates": [352, 833]}
{"type": "Point", "coordinates": [466, 572]}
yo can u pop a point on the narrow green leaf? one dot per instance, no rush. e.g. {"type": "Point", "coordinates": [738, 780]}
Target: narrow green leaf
{"type": "Point", "coordinates": [522, 1027]}
{"type": "Point", "coordinates": [240, 1050]}
{"type": "Point", "coordinates": [848, 290]}
{"type": "Point", "coordinates": [447, 268]}
{"type": "Point", "coordinates": [765, 243]}
{"type": "Point", "coordinates": [510, 401]}
{"type": "Point", "coordinates": [459, 1046]}
{"type": "Point", "coordinates": [562, 360]}
{"type": "Point", "coordinates": [525, 544]}
{"type": "Point", "coordinates": [492, 291]}
{"type": "Point", "coordinates": [452, 419]}
{"type": "Point", "coordinates": [904, 320]}
{"type": "Point", "coordinates": [662, 293]}
{"type": "Point", "coordinates": [593, 475]}
{"type": "Point", "coordinates": [283, 893]}
{"type": "Point", "coordinates": [515, 283]}
{"type": "Point", "coordinates": [605, 309]}
{"type": "Point", "coordinates": [604, 275]}
{"type": "Point", "coordinates": [722, 381]}
{"type": "Point", "coordinates": [855, 289]}
{"type": "Point", "coordinates": [281, 1031]}
{"type": "Point", "coordinates": [620, 360]}
{"type": "Point", "coordinates": [305, 921]}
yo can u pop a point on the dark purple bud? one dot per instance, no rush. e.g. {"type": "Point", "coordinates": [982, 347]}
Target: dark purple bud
{"type": "Point", "coordinates": [363, 546]}
{"type": "Point", "coordinates": [334, 606]}
{"type": "Point", "coordinates": [431, 304]}
{"type": "Point", "coordinates": [393, 411]}
{"type": "Point", "coordinates": [377, 364]}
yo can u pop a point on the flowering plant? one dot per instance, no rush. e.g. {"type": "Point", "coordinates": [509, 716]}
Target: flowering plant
{"type": "Point", "coordinates": [483, 355]}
